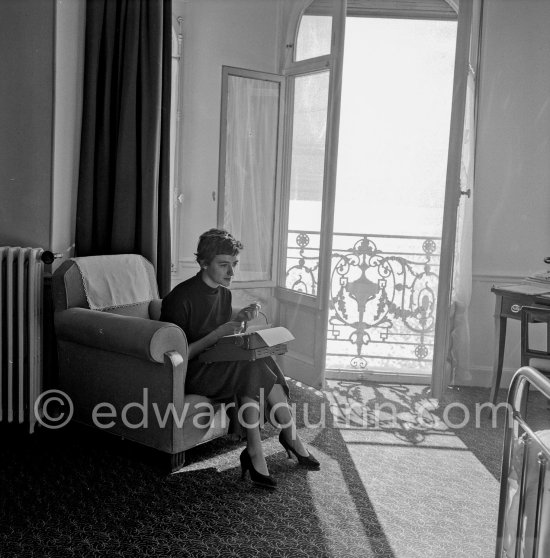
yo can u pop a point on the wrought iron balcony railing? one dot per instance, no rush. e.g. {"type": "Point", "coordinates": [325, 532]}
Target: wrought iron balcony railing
{"type": "Point", "coordinates": [382, 299]}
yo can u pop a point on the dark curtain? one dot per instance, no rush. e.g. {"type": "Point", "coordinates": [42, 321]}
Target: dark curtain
{"type": "Point", "coordinates": [124, 190]}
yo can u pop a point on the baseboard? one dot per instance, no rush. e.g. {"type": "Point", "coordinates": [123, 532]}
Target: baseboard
{"type": "Point", "coordinates": [379, 377]}
{"type": "Point", "coordinates": [482, 376]}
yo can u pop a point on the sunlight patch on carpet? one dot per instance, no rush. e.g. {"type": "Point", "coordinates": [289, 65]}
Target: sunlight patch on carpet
{"type": "Point", "coordinates": [342, 525]}
{"type": "Point", "coordinates": [432, 499]}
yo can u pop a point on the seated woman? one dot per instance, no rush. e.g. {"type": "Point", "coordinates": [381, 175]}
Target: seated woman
{"type": "Point", "coordinates": [201, 306]}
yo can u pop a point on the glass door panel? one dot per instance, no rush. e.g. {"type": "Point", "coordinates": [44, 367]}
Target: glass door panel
{"type": "Point", "coordinates": [299, 304]}
{"type": "Point", "coordinates": [306, 181]}
{"type": "Point", "coordinates": [314, 37]}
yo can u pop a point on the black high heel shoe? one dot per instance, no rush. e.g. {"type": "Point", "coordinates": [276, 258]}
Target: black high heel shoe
{"type": "Point", "coordinates": [265, 481]}
{"type": "Point", "coordinates": [305, 461]}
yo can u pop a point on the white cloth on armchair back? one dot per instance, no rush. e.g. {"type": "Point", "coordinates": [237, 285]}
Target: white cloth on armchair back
{"type": "Point", "coordinates": [117, 280]}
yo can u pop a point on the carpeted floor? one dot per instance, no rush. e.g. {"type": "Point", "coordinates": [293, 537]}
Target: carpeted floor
{"type": "Point", "coordinates": [398, 480]}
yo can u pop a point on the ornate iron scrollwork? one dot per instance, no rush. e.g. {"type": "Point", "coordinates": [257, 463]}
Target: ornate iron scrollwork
{"type": "Point", "coordinates": [383, 299]}
{"type": "Point", "coordinates": [374, 293]}
{"type": "Point", "coordinates": [302, 276]}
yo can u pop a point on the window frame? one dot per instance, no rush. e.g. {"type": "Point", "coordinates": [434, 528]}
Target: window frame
{"type": "Point", "coordinates": [176, 195]}
{"type": "Point", "coordinates": [291, 66]}
{"type": "Point", "coordinates": [231, 71]}
{"type": "Point", "coordinates": [293, 69]}
{"type": "Point", "coordinates": [314, 67]}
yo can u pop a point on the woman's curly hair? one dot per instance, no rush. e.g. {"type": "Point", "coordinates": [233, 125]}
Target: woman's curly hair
{"type": "Point", "coordinates": [214, 242]}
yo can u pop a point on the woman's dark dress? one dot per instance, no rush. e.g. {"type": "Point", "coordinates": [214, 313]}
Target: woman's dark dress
{"type": "Point", "coordinates": [199, 309]}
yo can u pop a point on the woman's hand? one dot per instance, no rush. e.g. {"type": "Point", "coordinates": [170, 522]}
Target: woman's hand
{"type": "Point", "coordinates": [229, 328]}
{"type": "Point", "coordinates": [248, 312]}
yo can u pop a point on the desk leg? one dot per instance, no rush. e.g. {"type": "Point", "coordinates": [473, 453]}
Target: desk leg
{"type": "Point", "coordinates": [500, 340]}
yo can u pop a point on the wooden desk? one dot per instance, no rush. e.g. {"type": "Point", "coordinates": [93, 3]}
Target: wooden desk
{"type": "Point", "coordinates": [510, 299]}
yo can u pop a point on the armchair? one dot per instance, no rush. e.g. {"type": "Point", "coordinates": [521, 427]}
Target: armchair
{"type": "Point", "coordinates": [537, 358]}
{"type": "Point", "coordinates": [122, 368]}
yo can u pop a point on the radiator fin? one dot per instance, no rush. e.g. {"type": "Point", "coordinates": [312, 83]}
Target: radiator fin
{"type": "Point", "coordinates": [21, 300]}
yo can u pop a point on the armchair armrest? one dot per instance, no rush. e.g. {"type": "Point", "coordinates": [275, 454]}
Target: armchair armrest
{"type": "Point", "coordinates": [155, 307]}
{"type": "Point", "coordinates": [138, 337]}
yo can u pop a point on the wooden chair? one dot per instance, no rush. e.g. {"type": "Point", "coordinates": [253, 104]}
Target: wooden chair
{"type": "Point", "coordinates": [537, 358]}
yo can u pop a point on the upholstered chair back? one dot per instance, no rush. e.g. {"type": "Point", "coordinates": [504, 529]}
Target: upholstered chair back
{"type": "Point", "coordinates": [120, 284]}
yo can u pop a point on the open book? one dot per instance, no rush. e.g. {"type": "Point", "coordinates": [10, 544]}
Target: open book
{"type": "Point", "coordinates": [249, 346]}
{"type": "Point", "coordinates": [266, 337]}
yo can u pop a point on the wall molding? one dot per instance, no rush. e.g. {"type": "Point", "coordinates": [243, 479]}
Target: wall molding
{"type": "Point", "coordinates": [496, 278]}
{"type": "Point", "coordinates": [191, 263]}
{"type": "Point", "coordinates": [480, 376]}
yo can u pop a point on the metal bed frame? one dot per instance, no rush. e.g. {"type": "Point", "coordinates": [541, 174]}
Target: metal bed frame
{"type": "Point", "coordinates": [521, 443]}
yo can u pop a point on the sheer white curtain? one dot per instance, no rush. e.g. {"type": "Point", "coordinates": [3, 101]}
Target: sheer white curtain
{"type": "Point", "coordinates": [250, 171]}
{"type": "Point", "coordinates": [459, 354]}
{"type": "Point", "coordinates": [462, 273]}
{"type": "Point", "coordinates": [177, 41]}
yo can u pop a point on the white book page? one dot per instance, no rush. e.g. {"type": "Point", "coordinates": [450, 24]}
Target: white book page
{"type": "Point", "coordinates": [275, 336]}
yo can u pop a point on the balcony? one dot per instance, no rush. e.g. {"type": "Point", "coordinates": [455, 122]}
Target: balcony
{"type": "Point", "coordinates": [383, 293]}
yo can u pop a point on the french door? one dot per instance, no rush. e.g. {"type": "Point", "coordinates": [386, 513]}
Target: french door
{"type": "Point", "coordinates": [313, 74]}
{"type": "Point", "coordinates": [304, 178]}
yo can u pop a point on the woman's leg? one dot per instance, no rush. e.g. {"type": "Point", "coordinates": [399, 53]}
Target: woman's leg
{"type": "Point", "coordinates": [250, 422]}
{"type": "Point", "coordinates": [279, 403]}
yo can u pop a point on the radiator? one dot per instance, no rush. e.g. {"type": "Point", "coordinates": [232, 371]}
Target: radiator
{"type": "Point", "coordinates": [21, 303]}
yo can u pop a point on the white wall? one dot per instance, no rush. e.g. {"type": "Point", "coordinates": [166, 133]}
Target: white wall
{"type": "Point", "coordinates": [26, 121]}
{"type": "Point", "coordinates": [241, 33]}
{"type": "Point", "coordinates": [69, 67]}
{"type": "Point", "coordinates": [42, 54]}
{"type": "Point", "coordinates": [512, 196]}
